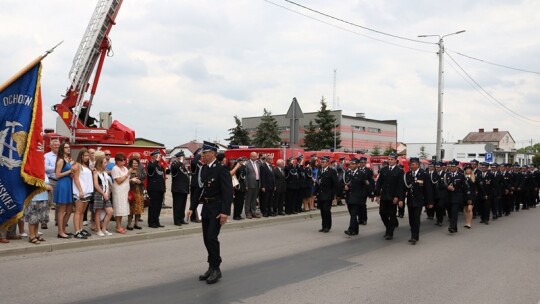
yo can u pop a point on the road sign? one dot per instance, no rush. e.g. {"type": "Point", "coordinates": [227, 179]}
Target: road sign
{"type": "Point", "coordinates": [489, 157]}
{"type": "Point", "coordinates": [489, 147]}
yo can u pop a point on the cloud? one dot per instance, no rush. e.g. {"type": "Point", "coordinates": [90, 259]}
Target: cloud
{"type": "Point", "coordinates": [183, 69]}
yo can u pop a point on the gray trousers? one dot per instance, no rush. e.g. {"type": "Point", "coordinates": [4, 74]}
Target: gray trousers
{"type": "Point", "coordinates": [251, 201]}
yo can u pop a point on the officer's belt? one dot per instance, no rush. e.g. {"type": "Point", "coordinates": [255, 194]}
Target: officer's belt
{"type": "Point", "coordinates": [208, 200]}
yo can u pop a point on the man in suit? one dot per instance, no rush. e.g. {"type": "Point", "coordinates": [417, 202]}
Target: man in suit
{"type": "Point", "coordinates": [433, 181]}
{"type": "Point", "coordinates": [356, 185]}
{"type": "Point", "coordinates": [281, 188]}
{"type": "Point", "coordinates": [441, 202]}
{"type": "Point", "coordinates": [155, 188]}
{"type": "Point", "coordinates": [266, 193]}
{"type": "Point", "coordinates": [454, 181]}
{"type": "Point", "coordinates": [418, 191]}
{"type": "Point", "coordinates": [252, 186]}
{"type": "Point", "coordinates": [326, 187]}
{"type": "Point", "coordinates": [179, 188]}
{"type": "Point", "coordinates": [216, 197]}
{"type": "Point", "coordinates": [389, 188]}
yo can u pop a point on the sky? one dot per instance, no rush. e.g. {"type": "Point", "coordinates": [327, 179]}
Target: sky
{"type": "Point", "coordinates": [182, 69]}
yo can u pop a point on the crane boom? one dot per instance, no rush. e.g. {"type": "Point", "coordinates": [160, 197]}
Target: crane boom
{"type": "Point", "coordinates": [93, 45]}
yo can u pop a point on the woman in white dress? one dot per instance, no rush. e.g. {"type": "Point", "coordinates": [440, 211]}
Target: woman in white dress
{"type": "Point", "coordinates": [120, 188]}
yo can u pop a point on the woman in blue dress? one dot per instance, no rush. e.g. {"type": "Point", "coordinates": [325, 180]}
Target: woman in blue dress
{"type": "Point", "coordinates": [63, 191]}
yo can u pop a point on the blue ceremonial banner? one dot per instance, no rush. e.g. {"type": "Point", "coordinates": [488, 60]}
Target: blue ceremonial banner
{"type": "Point", "coordinates": [22, 168]}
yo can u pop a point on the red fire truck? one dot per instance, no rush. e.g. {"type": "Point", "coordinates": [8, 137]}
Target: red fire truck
{"type": "Point", "coordinates": [75, 124]}
{"type": "Point", "coordinates": [277, 153]}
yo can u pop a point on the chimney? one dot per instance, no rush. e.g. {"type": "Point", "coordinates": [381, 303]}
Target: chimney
{"type": "Point", "coordinates": [481, 130]}
{"type": "Point", "coordinates": [495, 130]}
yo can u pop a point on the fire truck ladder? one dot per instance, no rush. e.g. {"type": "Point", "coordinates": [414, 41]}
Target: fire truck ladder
{"type": "Point", "coordinates": [89, 52]}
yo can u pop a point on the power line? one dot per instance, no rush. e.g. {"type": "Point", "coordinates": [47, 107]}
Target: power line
{"type": "Point", "coordinates": [347, 30]}
{"type": "Point", "coordinates": [495, 64]}
{"type": "Point", "coordinates": [357, 25]}
{"type": "Point", "coordinates": [479, 91]}
{"type": "Point", "coordinates": [488, 94]}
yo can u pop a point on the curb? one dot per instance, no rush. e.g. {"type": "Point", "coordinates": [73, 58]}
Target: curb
{"type": "Point", "coordinates": [151, 235]}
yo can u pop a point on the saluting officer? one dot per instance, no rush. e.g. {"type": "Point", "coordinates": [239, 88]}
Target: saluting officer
{"type": "Point", "coordinates": [179, 188]}
{"type": "Point", "coordinates": [389, 188]}
{"type": "Point", "coordinates": [418, 191]}
{"type": "Point", "coordinates": [155, 188]}
{"type": "Point", "coordinates": [216, 197]}
{"type": "Point", "coordinates": [326, 188]}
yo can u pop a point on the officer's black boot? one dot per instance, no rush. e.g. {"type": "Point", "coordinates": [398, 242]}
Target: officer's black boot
{"type": "Point", "coordinates": [215, 275]}
{"type": "Point", "coordinates": [207, 274]}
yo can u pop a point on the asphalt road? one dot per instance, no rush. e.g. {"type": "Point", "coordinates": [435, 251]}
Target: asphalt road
{"type": "Point", "coordinates": [293, 263]}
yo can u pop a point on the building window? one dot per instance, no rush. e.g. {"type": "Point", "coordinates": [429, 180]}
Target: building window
{"type": "Point", "coordinates": [473, 155]}
{"type": "Point", "coordinates": [374, 130]}
{"type": "Point", "coordinates": [482, 155]}
{"type": "Point", "coordinates": [283, 128]}
{"type": "Point", "coordinates": [461, 155]}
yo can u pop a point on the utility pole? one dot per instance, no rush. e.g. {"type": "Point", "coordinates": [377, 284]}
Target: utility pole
{"type": "Point", "coordinates": [334, 108]}
{"type": "Point", "coordinates": [438, 145]}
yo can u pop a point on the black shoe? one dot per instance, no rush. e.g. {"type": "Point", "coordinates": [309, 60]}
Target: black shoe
{"type": "Point", "coordinates": [438, 224]}
{"type": "Point", "coordinates": [321, 230]}
{"type": "Point", "coordinates": [348, 232]}
{"type": "Point", "coordinates": [184, 222]}
{"type": "Point", "coordinates": [237, 218]}
{"type": "Point", "coordinates": [160, 226]}
{"type": "Point", "coordinates": [153, 226]}
{"type": "Point", "coordinates": [137, 227]}
{"type": "Point", "coordinates": [452, 230]}
{"type": "Point", "coordinates": [129, 228]}
{"type": "Point", "coordinates": [326, 230]}
{"type": "Point", "coordinates": [215, 275]}
{"type": "Point", "coordinates": [86, 233]}
{"type": "Point", "coordinates": [80, 236]}
{"type": "Point", "coordinates": [486, 222]}
{"type": "Point", "coordinates": [44, 226]}
{"type": "Point", "coordinates": [482, 222]}
{"type": "Point", "coordinates": [282, 213]}
{"type": "Point", "coordinates": [413, 241]}
{"type": "Point", "coordinates": [178, 224]}
{"type": "Point", "coordinates": [363, 223]}
{"type": "Point", "coordinates": [206, 275]}
{"type": "Point", "coordinates": [467, 226]}
{"type": "Point", "coordinates": [388, 237]}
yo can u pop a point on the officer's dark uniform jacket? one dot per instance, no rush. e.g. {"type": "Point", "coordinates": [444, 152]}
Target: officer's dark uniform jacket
{"type": "Point", "coordinates": [292, 177]}
{"type": "Point", "coordinates": [390, 183]}
{"type": "Point", "coordinates": [180, 177]}
{"type": "Point", "coordinates": [370, 180]}
{"type": "Point", "coordinates": [156, 177]}
{"type": "Point", "coordinates": [456, 180]}
{"type": "Point", "coordinates": [418, 189]}
{"type": "Point", "coordinates": [327, 184]}
{"type": "Point", "coordinates": [217, 187]}
{"type": "Point", "coordinates": [486, 185]}
{"type": "Point", "coordinates": [359, 187]}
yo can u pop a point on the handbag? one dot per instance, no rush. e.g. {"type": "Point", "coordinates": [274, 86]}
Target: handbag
{"type": "Point", "coordinates": [131, 196]}
{"type": "Point", "coordinates": [146, 199]}
{"type": "Point", "coordinates": [235, 182]}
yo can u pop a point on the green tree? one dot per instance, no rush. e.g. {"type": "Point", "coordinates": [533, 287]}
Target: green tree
{"type": "Point", "coordinates": [534, 149]}
{"type": "Point", "coordinates": [376, 151]}
{"type": "Point", "coordinates": [267, 134]}
{"type": "Point", "coordinates": [311, 137]}
{"type": "Point", "coordinates": [239, 135]}
{"type": "Point", "coordinates": [422, 153]}
{"type": "Point", "coordinates": [536, 160]}
{"type": "Point", "coordinates": [323, 137]}
{"type": "Point", "coordinates": [389, 149]}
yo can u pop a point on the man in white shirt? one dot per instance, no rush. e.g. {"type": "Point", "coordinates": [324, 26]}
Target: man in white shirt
{"type": "Point", "coordinates": [50, 167]}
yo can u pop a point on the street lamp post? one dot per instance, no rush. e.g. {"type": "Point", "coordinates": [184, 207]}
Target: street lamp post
{"type": "Point", "coordinates": [440, 95]}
